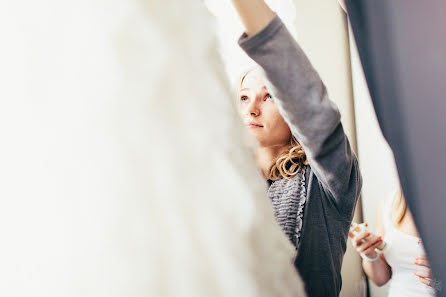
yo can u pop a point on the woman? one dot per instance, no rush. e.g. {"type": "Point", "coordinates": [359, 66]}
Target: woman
{"type": "Point", "coordinates": [303, 151]}
{"type": "Point", "coordinates": [403, 259]}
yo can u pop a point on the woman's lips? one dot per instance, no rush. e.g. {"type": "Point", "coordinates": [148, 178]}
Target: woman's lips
{"type": "Point", "coordinates": [254, 125]}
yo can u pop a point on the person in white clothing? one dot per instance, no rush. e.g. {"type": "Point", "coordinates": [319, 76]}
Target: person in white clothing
{"type": "Point", "coordinates": [403, 260]}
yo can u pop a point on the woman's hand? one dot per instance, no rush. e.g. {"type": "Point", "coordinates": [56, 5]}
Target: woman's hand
{"type": "Point", "coordinates": [366, 244]}
{"type": "Point", "coordinates": [255, 14]}
{"type": "Point", "coordinates": [424, 275]}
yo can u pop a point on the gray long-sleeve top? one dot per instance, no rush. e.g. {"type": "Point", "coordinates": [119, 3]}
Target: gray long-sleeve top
{"type": "Point", "coordinates": [334, 180]}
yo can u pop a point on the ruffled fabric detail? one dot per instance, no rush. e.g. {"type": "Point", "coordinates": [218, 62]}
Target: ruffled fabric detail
{"type": "Point", "coordinates": [288, 197]}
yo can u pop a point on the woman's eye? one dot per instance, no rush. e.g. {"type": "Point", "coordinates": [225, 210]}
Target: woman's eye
{"type": "Point", "coordinates": [243, 98]}
{"type": "Point", "coordinates": [268, 97]}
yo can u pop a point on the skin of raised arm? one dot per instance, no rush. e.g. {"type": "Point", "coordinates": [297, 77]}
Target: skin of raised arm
{"type": "Point", "coordinates": [379, 271]}
{"type": "Point", "coordinates": [255, 14]}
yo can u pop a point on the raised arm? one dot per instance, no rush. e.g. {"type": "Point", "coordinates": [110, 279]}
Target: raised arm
{"type": "Point", "coordinates": [255, 14]}
{"type": "Point", "coordinates": [303, 102]}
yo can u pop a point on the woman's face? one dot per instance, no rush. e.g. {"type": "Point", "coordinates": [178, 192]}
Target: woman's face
{"type": "Point", "coordinates": [260, 113]}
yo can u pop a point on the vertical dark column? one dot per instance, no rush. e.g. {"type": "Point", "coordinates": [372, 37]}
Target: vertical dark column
{"type": "Point", "coordinates": [402, 46]}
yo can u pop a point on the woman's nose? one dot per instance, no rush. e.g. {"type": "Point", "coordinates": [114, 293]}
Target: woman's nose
{"type": "Point", "coordinates": [253, 109]}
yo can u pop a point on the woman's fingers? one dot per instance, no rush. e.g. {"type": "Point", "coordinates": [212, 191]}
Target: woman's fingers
{"type": "Point", "coordinates": [358, 240]}
{"type": "Point", "coordinates": [371, 253]}
{"type": "Point", "coordinates": [422, 261]}
{"type": "Point", "coordinates": [424, 274]}
{"type": "Point", "coordinates": [426, 281]}
{"type": "Point", "coordinates": [368, 247]}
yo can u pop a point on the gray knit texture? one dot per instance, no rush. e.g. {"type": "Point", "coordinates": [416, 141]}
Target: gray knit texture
{"type": "Point", "coordinates": [288, 197]}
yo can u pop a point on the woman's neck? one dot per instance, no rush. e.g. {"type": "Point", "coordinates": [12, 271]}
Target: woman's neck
{"type": "Point", "coordinates": [265, 157]}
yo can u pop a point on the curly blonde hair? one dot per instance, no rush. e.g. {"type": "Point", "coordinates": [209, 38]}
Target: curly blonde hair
{"type": "Point", "coordinates": [292, 160]}
{"type": "Point", "coordinates": [288, 164]}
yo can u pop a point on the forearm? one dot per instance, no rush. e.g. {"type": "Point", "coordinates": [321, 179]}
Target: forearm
{"type": "Point", "coordinates": [255, 14]}
{"type": "Point", "coordinates": [378, 271]}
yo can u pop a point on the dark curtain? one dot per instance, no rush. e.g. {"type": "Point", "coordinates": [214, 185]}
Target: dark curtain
{"type": "Point", "coordinates": [402, 46]}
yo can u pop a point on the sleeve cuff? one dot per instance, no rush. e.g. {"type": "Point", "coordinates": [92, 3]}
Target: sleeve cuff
{"type": "Point", "coordinates": [254, 41]}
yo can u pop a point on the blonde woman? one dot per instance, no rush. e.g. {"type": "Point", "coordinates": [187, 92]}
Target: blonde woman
{"type": "Point", "coordinates": [303, 151]}
{"type": "Point", "coordinates": [403, 261]}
